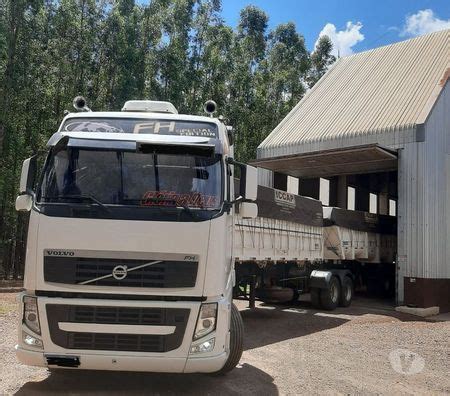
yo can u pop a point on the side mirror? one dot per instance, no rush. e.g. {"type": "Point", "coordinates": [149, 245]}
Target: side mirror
{"type": "Point", "coordinates": [28, 174]}
{"type": "Point", "coordinates": [24, 203]}
{"type": "Point", "coordinates": [251, 183]}
{"type": "Point", "coordinates": [248, 182]}
{"type": "Point", "coordinates": [248, 210]}
{"type": "Point", "coordinates": [230, 134]}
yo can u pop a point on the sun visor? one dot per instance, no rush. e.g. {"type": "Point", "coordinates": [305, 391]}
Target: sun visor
{"type": "Point", "coordinates": [145, 145]}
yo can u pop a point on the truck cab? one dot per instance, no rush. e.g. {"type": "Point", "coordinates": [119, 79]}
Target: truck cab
{"type": "Point", "coordinates": [129, 262]}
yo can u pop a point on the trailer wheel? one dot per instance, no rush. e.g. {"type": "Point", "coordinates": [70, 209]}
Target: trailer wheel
{"type": "Point", "coordinates": [330, 297]}
{"type": "Point", "coordinates": [295, 296]}
{"type": "Point", "coordinates": [236, 341]}
{"type": "Point", "coordinates": [346, 292]}
{"type": "Point", "coordinates": [315, 298]}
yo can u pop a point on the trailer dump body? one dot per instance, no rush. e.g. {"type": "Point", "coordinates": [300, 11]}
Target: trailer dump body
{"type": "Point", "coordinates": [356, 235]}
{"type": "Point", "coordinates": [288, 227]}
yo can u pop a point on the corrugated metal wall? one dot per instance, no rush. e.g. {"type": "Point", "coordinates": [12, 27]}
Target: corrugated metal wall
{"type": "Point", "coordinates": [424, 199]}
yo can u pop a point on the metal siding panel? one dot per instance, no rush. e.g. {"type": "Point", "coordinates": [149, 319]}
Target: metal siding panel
{"type": "Point", "coordinates": [437, 127]}
{"type": "Point", "coordinates": [424, 199]}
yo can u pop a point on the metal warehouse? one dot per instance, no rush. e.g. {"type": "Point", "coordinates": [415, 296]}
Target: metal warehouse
{"type": "Point", "coordinates": [375, 130]}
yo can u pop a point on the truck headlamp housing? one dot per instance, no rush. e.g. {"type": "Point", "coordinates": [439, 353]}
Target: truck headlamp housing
{"type": "Point", "coordinates": [31, 314]}
{"type": "Point", "coordinates": [206, 322]}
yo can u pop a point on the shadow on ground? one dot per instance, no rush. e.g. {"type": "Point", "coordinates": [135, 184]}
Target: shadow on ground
{"type": "Point", "coordinates": [265, 325]}
{"type": "Point", "coordinates": [244, 379]}
{"type": "Point", "coordinates": [268, 324]}
{"type": "Point", "coordinates": [271, 323]}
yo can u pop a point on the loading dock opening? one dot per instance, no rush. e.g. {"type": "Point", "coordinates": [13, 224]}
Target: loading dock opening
{"type": "Point", "coordinates": [374, 279]}
{"type": "Point", "coordinates": [380, 112]}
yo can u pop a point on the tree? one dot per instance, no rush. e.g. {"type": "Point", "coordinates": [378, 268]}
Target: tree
{"type": "Point", "coordinates": [321, 59]}
{"type": "Point", "coordinates": [247, 52]}
{"type": "Point", "coordinates": [115, 50]}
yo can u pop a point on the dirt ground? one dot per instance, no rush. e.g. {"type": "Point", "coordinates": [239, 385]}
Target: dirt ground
{"type": "Point", "coordinates": [365, 349]}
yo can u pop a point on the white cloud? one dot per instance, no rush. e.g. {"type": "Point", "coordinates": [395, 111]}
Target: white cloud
{"type": "Point", "coordinates": [343, 40]}
{"type": "Point", "coordinates": [423, 22]}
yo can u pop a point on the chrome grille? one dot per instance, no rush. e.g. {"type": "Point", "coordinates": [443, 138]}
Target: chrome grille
{"type": "Point", "coordinates": [98, 272]}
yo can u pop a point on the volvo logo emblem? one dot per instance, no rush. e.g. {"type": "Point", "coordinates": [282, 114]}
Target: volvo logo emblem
{"type": "Point", "coordinates": [119, 272]}
{"type": "Point", "coordinates": [60, 253]}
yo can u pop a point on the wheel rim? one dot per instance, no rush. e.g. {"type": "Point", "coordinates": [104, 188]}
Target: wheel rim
{"type": "Point", "coordinates": [348, 293]}
{"type": "Point", "coordinates": [334, 292]}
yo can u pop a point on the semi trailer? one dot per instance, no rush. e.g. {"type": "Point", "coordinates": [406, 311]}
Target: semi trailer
{"type": "Point", "coordinates": [297, 246]}
{"type": "Point", "coordinates": [139, 237]}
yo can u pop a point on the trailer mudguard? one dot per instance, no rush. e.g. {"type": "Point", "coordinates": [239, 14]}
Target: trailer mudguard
{"type": "Point", "coordinates": [320, 279]}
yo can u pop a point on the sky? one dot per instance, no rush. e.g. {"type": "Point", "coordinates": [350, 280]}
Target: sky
{"type": "Point", "coordinates": [352, 25]}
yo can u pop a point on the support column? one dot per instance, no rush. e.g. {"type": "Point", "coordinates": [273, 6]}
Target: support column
{"type": "Point", "coordinates": [342, 192]}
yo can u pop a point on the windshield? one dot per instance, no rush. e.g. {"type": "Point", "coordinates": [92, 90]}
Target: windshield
{"type": "Point", "coordinates": [132, 178]}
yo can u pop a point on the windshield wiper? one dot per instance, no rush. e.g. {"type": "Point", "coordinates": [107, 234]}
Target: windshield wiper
{"type": "Point", "coordinates": [189, 210]}
{"type": "Point", "coordinates": [84, 197]}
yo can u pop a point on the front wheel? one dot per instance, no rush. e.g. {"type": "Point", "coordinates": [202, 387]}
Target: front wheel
{"type": "Point", "coordinates": [236, 341]}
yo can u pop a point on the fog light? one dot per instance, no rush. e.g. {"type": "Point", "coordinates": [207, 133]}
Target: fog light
{"type": "Point", "coordinates": [205, 346]}
{"type": "Point", "coordinates": [31, 341]}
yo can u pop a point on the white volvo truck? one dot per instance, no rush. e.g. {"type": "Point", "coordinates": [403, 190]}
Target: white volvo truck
{"type": "Point", "coordinates": [129, 262]}
{"type": "Point", "coordinates": [138, 238]}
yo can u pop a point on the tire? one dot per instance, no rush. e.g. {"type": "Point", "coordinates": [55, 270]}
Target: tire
{"type": "Point", "coordinates": [236, 341]}
{"type": "Point", "coordinates": [330, 297]}
{"type": "Point", "coordinates": [315, 298]}
{"type": "Point", "coordinates": [346, 292]}
{"type": "Point", "coordinates": [295, 296]}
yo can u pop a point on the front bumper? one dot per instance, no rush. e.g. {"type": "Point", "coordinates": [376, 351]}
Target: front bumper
{"type": "Point", "coordinates": [173, 361]}
{"type": "Point", "coordinates": [208, 364]}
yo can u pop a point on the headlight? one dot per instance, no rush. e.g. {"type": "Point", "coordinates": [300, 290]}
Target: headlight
{"type": "Point", "coordinates": [205, 346]}
{"type": "Point", "coordinates": [31, 314]}
{"type": "Point", "coordinates": [32, 341]}
{"type": "Point", "coordinates": [206, 322]}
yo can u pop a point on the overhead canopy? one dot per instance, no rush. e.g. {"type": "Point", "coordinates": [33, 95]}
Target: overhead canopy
{"type": "Point", "coordinates": [342, 161]}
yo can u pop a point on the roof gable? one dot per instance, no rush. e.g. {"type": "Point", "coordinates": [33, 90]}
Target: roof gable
{"type": "Point", "coordinates": [386, 89]}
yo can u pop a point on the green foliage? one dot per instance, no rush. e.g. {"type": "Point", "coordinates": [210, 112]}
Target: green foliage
{"type": "Point", "coordinates": [321, 59]}
{"type": "Point", "coordinates": [114, 50]}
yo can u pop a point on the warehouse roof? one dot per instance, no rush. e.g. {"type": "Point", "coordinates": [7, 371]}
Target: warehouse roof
{"type": "Point", "coordinates": [380, 92]}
